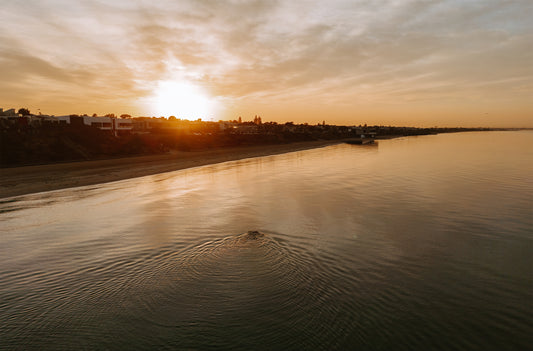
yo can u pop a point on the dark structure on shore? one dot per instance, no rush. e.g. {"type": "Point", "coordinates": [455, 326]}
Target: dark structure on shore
{"type": "Point", "coordinates": [40, 139]}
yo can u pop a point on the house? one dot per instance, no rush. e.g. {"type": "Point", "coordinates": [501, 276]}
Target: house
{"type": "Point", "coordinates": [113, 124]}
{"type": "Point", "coordinates": [123, 125]}
{"type": "Point", "coordinates": [8, 113]}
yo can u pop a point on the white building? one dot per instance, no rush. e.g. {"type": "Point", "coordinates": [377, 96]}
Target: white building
{"type": "Point", "coordinates": [123, 124]}
{"type": "Point", "coordinates": [64, 119]}
{"type": "Point", "coordinates": [101, 122]}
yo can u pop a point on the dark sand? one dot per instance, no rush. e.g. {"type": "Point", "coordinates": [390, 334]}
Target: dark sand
{"type": "Point", "coordinates": [34, 179]}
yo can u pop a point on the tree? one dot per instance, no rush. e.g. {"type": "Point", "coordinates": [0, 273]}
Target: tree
{"type": "Point", "coordinates": [125, 116]}
{"type": "Point", "coordinates": [112, 115]}
{"type": "Point", "coordinates": [95, 115]}
{"type": "Point", "coordinates": [23, 111]}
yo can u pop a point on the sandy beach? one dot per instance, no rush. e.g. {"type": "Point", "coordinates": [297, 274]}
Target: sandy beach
{"type": "Point", "coordinates": [34, 179]}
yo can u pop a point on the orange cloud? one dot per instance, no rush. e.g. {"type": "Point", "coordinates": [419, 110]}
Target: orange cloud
{"type": "Point", "coordinates": [409, 62]}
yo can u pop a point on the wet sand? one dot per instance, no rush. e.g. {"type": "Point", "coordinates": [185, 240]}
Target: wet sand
{"type": "Point", "coordinates": [34, 179]}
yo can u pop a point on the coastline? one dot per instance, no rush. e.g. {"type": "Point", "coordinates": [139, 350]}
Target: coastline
{"type": "Point", "coordinates": [25, 180]}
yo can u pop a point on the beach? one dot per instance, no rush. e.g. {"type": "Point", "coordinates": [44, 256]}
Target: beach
{"type": "Point", "coordinates": [24, 180]}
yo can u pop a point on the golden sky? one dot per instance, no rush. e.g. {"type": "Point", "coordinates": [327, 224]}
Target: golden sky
{"type": "Point", "coordinates": [399, 62]}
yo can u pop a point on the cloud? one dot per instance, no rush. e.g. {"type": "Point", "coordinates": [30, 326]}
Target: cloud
{"type": "Point", "coordinates": [354, 54]}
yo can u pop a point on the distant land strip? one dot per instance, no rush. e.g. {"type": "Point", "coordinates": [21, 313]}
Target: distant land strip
{"type": "Point", "coordinates": [43, 153]}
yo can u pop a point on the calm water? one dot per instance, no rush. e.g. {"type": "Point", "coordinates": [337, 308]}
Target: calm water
{"type": "Point", "coordinates": [416, 243]}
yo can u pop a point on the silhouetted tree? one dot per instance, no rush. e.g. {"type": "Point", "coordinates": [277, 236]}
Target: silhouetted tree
{"type": "Point", "coordinates": [95, 115]}
{"type": "Point", "coordinates": [112, 115]}
{"type": "Point", "coordinates": [125, 116]}
{"type": "Point", "coordinates": [23, 111]}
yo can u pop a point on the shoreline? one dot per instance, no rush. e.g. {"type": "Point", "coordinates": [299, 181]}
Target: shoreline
{"type": "Point", "coordinates": [24, 180]}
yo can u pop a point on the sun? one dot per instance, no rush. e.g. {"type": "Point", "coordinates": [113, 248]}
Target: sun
{"type": "Point", "coordinates": [182, 99]}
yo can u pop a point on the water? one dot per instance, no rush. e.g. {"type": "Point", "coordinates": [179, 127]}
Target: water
{"type": "Point", "coordinates": [417, 243]}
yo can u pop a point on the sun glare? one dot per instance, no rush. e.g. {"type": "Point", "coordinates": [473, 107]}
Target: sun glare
{"type": "Point", "coordinates": [183, 100]}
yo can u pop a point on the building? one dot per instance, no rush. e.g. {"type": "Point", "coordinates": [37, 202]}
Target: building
{"type": "Point", "coordinates": [113, 124]}
{"type": "Point", "coordinates": [8, 113]}
{"type": "Point", "coordinates": [122, 125]}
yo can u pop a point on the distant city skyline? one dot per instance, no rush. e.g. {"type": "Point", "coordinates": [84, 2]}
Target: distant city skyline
{"type": "Point", "coordinates": [417, 63]}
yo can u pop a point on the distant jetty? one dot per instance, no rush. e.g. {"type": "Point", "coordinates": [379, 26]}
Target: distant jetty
{"type": "Point", "coordinates": [362, 139]}
{"type": "Point", "coordinates": [359, 141]}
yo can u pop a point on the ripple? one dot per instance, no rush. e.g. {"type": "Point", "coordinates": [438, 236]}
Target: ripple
{"type": "Point", "coordinates": [235, 281]}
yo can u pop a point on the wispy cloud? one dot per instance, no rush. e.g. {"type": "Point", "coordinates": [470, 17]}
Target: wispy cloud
{"type": "Point", "coordinates": [404, 61]}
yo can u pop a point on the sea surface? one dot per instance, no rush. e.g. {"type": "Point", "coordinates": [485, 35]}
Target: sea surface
{"type": "Point", "coordinates": [416, 243]}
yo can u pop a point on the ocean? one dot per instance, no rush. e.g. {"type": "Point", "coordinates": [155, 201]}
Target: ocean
{"type": "Point", "coordinates": [415, 243]}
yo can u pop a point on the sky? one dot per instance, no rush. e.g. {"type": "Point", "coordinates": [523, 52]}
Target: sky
{"type": "Point", "coordinates": [389, 62]}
